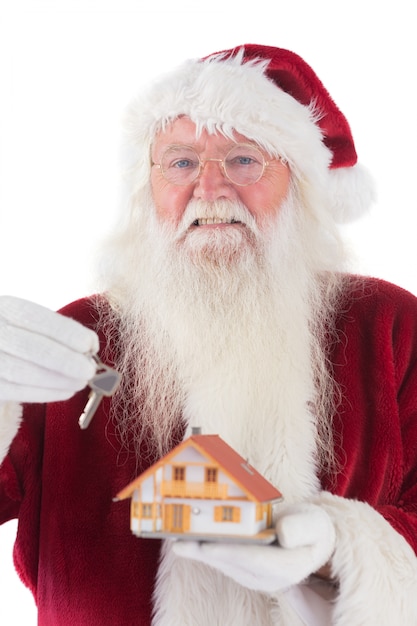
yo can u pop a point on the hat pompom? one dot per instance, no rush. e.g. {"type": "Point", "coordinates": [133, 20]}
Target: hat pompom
{"type": "Point", "coordinates": [352, 192]}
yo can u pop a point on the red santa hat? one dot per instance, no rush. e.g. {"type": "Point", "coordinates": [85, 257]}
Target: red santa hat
{"type": "Point", "coordinates": [273, 97]}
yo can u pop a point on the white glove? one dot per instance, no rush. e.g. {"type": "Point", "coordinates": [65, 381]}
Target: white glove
{"type": "Point", "coordinates": [306, 538]}
{"type": "Point", "coordinates": [44, 356]}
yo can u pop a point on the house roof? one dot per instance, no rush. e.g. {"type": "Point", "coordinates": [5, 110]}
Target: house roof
{"type": "Point", "coordinates": [236, 467]}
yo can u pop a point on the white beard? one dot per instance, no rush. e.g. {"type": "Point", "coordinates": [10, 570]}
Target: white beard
{"type": "Point", "coordinates": [223, 327]}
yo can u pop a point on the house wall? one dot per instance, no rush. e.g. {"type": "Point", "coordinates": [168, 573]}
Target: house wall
{"type": "Point", "coordinates": [149, 487]}
{"type": "Point", "coordinates": [202, 517]}
{"type": "Point", "coordinates": [147, 492]}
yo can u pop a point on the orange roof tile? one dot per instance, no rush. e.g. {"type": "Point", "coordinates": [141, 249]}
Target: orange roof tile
{"type": "Point", "coordinates": [251, 481]}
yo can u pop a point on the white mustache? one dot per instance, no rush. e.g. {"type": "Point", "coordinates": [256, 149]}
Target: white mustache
{"type": "Point", "coordinates": [218, 211]}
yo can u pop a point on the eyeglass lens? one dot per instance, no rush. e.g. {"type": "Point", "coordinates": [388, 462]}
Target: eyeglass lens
{"type": "Point", "coordinates": [243, 164]}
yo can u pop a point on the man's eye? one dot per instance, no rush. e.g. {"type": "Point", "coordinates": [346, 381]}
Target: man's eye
{"type": "Point", "coordinates": [245, 160]}
{"type": "Point", "coordinates": [241, 160]}
{"type": "Point", "coordinates": [183, 163]}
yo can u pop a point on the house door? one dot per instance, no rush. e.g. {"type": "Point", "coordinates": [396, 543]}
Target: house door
{"type": "Point", "coordinates": [177, 518]}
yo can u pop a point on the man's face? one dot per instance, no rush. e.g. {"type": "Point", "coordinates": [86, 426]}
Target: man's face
{"type": "Point", "coordinates": [262, 198]}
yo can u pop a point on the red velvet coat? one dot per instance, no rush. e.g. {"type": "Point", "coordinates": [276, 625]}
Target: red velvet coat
{"type": "Point", "coordinates": [74, 547]}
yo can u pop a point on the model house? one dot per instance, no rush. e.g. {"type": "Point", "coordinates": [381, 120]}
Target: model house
{"type": "Point", "coordinates": [205, 489]}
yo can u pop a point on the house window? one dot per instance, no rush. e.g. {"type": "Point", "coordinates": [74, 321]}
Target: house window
{"type": "Point", "coordinates": [211, 474]}
{"type": "Point", "coordinates": [178, 473]}
{"type": "Point", "coordinates": [227, 514]}
{"type": "Point", "coordinates": [147, 510]}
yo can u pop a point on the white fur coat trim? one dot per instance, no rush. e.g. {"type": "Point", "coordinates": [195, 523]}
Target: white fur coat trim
{"type": "Point", "coordinates": [10, 419]}
{"type": "Point", "coordinates": [375, 565]}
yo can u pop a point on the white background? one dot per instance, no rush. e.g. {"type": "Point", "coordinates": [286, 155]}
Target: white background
{"type": "Point", "coordinates": [68, 69]}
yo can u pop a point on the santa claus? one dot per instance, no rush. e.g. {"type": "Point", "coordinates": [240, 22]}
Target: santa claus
{"type": "Point", "coordinates": [225, 303]}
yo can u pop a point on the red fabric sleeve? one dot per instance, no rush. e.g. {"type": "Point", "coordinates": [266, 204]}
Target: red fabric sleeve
{"type": "Point", "coordinates": [375, 365]}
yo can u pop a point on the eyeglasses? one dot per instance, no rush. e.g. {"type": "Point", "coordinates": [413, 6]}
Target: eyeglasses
{"type": "Point", "coordinates": [243, 165]}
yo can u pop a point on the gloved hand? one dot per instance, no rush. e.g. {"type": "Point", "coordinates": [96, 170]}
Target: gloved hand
{"type": "Point", "coordinates": [44, 356]}
{"type": "Point", "coordinates": [306, 538]}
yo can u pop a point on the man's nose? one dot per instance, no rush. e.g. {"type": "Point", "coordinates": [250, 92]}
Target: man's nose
{"type": "Point", "coordinates": [212, 182]}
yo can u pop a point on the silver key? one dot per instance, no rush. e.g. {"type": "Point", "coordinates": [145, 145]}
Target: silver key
{"type": "Point", "coordinates": [104, 383]}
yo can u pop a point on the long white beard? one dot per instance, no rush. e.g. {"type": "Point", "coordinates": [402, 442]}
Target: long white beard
{"type": "Point", "coordinates": [224, 328]}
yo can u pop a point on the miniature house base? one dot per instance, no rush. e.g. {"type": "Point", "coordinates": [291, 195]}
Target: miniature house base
{"type": "Point", "coordinates": [202, 490]}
